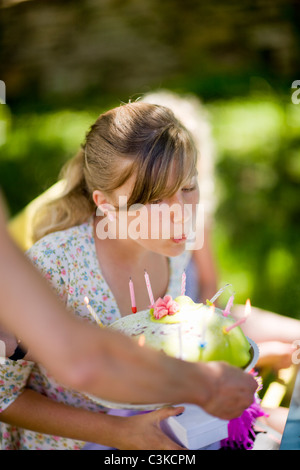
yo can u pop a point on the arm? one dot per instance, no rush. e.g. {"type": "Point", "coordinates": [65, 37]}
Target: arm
{"type": "Point", "coordinates": [38, 413]}
{"type": "Point", "coordinates": [274, 334]}
{"type": "Point", "coordinates": [95, 360]}
{"type": "Point", "coordinates": [72, 350]}
{"type": "Point", "coordinates": [26, 299]}
{"type": "Point", "coordinates": [9, 341]}
{"type": "Point", "coordinates": [263, 325]}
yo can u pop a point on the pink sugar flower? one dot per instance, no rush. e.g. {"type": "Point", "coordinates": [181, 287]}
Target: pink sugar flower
{"type": "Point", "coordinates": [165, 306]}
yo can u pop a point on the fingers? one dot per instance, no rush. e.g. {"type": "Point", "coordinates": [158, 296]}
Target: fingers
{"type": "Point", "coordinates": [232, 391]}
{"type": "Point", "coordinates": [165, 442]}
{"type": "Point", "coordinates": [173, 446]}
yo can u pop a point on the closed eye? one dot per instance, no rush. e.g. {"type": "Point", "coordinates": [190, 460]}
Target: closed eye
{"type": "Point", "coordinates": [189, 189]}
{"type": "Point", "coordinates": [185, 190]}
{"type": "Point", "coordinates": [158, 201]}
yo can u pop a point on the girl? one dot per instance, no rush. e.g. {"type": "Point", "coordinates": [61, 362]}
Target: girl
{"type": "Point", "coordinates": [141, 152]}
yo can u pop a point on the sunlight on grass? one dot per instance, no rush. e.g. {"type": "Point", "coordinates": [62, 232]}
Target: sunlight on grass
{"type": "Point", "coordinates": [280, 266]}
{"type": "Point", "coordinates": [247, 126]}
{"type": "Point", "coordinates": [65, 128]}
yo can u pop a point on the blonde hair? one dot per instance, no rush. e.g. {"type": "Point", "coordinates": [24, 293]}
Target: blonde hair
{"type": "Point", "coordinates": [189, 109]}
{"type": "Point", "coordinates": [139, 139]}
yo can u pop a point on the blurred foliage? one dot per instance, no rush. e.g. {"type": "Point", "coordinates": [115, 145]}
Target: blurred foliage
{"type": "Point", "coordinates": [257, 227]}
{"type": "Point", "coordinates": [34, 148]}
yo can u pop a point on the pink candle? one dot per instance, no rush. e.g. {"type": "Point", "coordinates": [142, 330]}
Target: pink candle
{"type": "Point", "coordinates": [226, 311]}
{"type": "Point", "coordinates": [237, 323]}
{"type": "Point", "coordinates": [183, 283]}
{"type": "Point", "coordinates": [149, 289]}
{"type": "Point", "coordinates": [132, 296]}
{"type": "Point", "coordinates": [241, 320]}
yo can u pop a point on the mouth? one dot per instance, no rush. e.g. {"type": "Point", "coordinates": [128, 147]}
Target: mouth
{"type": "Point", "coordinates": [179, 240]}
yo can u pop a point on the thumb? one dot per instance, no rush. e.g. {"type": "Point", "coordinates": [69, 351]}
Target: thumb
{"type": "Point", "coordinates": [165, 413]}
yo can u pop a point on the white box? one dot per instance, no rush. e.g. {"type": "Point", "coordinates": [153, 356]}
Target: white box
{"type": "Point", "coordinates": [195, 429]}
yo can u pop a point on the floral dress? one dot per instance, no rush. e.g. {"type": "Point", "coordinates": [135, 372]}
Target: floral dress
{"type": "Point", "coordinates": [69, 261]}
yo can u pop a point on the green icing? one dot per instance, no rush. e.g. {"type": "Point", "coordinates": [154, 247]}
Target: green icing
{"type": "Point", "coordinates": [184, 300]}
{"type": "Point", "coordinates": [188, 324]}
{"type": "Point", "coordinates": [232, 347]}
{"type": "Point", "coordinates": [187, 305]}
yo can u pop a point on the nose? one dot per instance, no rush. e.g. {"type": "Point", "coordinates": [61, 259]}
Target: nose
{"type": "Point", "coordinates": [177, 212]}
{"type": "Point", "coordinates": [180, 213]}
{"type": "Point", "coordinates": [177, 208]}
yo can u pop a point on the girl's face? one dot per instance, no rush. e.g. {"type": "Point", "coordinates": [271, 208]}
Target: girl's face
{"type": "Point", "coordinates": [162, 226]}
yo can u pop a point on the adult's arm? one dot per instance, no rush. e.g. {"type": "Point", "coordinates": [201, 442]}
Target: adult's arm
{"type": "Point", "coordinates": [263, 325]}
{"type": "Point", "coordinates": [101, 361]}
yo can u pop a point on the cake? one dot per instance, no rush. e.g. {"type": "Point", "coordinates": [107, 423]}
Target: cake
{"type": "Point", "coordinates": [190, 331]}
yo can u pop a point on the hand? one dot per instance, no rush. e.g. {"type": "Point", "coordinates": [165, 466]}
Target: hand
{"type": "Point", "coordinates": [275, 354]}
{"type": "Point", "coordinates": [231, 390]}
{"type": "Point", "coordinates": [143, 432]}
{"type": "Point", "coordinates": [9, 341]}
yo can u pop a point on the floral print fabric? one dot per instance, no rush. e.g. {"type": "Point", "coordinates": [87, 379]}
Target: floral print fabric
{"type": "Point", "coordinates": [68, 260]}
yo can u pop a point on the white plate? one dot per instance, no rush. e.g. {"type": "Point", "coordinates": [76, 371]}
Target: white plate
{"type": "Point", "coordinates": [156, 406]}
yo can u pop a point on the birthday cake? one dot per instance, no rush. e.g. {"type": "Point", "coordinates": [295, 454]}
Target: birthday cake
{"type": "Point", "coordinates": [190, 331]}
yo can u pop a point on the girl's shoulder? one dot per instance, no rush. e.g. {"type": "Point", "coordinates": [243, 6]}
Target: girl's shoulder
{"type": "Point", "coordinates": [64, 240]}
